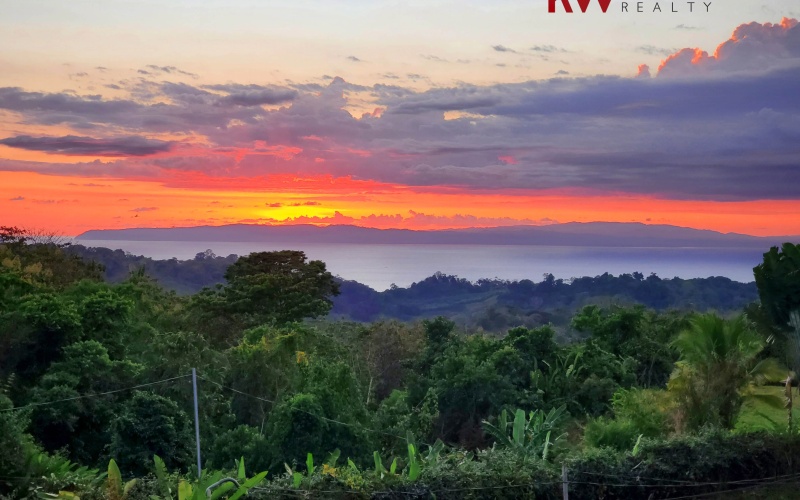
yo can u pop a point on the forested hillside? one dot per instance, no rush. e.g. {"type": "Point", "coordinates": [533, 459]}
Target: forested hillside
{"type": "Point", "coordinates": [97, 388]}
{"type": "Point", "coordinates": [491, 305]}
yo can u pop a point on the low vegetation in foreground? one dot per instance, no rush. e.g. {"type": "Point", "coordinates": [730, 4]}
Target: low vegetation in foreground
{"type": "Point", "coordinates": [96, 393]}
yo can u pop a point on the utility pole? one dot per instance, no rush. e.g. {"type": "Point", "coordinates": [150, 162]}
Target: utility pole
{"type": "Point", "coordinates": [196, 422]}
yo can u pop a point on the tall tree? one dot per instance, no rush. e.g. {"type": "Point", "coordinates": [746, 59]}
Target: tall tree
{"type": "Point", "coordinates": [778, 281]}
{"type": "Point", "coordinates": [270, 288]}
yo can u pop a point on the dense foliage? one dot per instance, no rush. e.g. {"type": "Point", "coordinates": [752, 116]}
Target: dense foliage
{"type": "Point", "coordinates": [92, 371]}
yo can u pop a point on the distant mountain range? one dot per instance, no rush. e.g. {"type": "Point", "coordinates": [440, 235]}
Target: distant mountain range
{"type": "Point", "coordinates": [597, 234]}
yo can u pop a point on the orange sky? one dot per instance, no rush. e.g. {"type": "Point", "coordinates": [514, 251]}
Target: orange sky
{"type": "Point", "coordinates": [71, 205]}
{"type": "Point", "coordinates": [419, 116]}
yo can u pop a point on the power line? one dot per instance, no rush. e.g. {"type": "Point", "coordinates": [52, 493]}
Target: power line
{"type": "Point", "coordinates": [94, 395]}
{"type": "Point", "coordinates": [681, 482]}
{"type": "Point", "coordinates": [326, 419]}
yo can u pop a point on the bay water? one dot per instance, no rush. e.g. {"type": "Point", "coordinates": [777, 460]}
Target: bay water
{"type": "Point", "coordinates": [380, 266]}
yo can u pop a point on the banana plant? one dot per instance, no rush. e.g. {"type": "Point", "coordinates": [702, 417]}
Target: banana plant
{"type": "Point", "coordinates": [114, 487]}
{"type": "Point", "coordinates": [528, 436]}
{"type": "Point", "coordinates": [212, 486]}
{"type": "Point", "coordinates": [165, 487]}
{"type": "Point", "coordinates": [414, 468]}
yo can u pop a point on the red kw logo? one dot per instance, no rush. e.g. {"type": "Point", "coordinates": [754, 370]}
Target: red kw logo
{"type": "Point", "coordinates": [583, 4]}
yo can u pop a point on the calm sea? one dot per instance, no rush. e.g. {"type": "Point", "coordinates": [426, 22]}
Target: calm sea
{"type": "Point", "coordinates": [379, 266]}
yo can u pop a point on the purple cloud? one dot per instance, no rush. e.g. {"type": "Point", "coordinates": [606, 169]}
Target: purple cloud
{"type": "Point", "coordinates": [87, 146]}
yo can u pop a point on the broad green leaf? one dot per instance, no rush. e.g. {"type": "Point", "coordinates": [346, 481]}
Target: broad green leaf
{"type": "Point", "coordinates": [114, 480]}
{"type": "Point", "coordinates": [185, 490]}
{"type": "Point", "coordinates": [224, 488]}
{"type": "Point", "coordinates": [770, 400]}
{"type": "Point", "coordinates": [130, 484]}
{"type": "Point", "coordinates": [333, 457]}
{"type": "Point", "coordinates": [546, 446]}
{"type": "Point", "coordinates": [310, 464]}
{"type": "Point", "coordinates": [241, 474]}
{"type": "Point", "coordinates": [637, 446]}
{"type": "Point", "coordinates": [250, 483]}
{"type": "Point", "coordinates": [379, 468]}
{"type": "Point", "coordinates": [413, 471]}
{"type": "Point", "coordinates": [160, 466]}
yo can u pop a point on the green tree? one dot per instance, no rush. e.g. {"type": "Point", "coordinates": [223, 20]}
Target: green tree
{"type": "Point", "coordinates": [327, 413]}
{"type": "Point", "coordinates": [778, 281]}
{"type": "Point", "coordinates": [82, 425]}
{"type": "Point", "coordinates": [16, 445]}
{"type": "Point", "coordinates": [635, 334]}
{"type": "Point", "coordinates": [268, 288]}
{"type": "Point", "coordinates": [147, 425]}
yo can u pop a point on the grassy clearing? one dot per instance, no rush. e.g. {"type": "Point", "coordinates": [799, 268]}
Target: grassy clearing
{"type": "Point", "coordinates": [758, 415]}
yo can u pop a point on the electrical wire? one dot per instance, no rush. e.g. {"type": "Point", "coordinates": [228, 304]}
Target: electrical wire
{"type": "Point", "coordinates": [94, 395]}
{"type": "Point", "coordinates": [320, 417]}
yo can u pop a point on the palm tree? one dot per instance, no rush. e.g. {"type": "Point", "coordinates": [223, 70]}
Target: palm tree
{"type": "Point", "coordinates": [719, 363]}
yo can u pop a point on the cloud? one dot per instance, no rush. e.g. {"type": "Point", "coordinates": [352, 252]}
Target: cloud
{"type": "Point", "coordinates": [408, 220]}
{"type": "Point", "coordinates": [705, 133]}
{"type": "Point", "coordinates": [253, 95]}
{"type": "Point", "coordinates": [686, 27]}
{"type": "Point", "coordinates": [643, 71]}
{"type": "Point", "coordinates": [170, 70]}
{"type": "Point", "coordinates": [273, 205]}
{"type": "Point", "coordinates": [53, 202]}
{"type": "Point", "coordinates": [144, 209]}
{"type": "Point", "coordinates": [562, 72]}
{"type": "Point", "coordinates": [653, 50]}
{"type": "Point", "coordinates": [18, 198]}
{"type": "Point", "coordinates": [752, 47]}
{"type": "Point", "coordinates": [432, 57]}
{"type": "Point", "coordinates": [306, 204]}
{"type": "Point", "coordinates": [503, 48]}
{"type": "Point", "coordinates": [88, 146]}
{"type": "Point", "coordinates": [353, 59]}
{"type": "Point", "coordinates": [547, 48]}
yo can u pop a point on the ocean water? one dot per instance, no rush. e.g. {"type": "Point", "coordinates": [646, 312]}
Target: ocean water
{"type": "Point", "coordinates": [380, 266]}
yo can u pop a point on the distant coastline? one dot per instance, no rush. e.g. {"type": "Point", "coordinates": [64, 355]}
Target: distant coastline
{"type": "Point", "coordinates": [591, 234]}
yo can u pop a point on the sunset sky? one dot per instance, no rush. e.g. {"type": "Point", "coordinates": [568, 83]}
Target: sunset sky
{"type": "Point", "coordinates": [419, 114]}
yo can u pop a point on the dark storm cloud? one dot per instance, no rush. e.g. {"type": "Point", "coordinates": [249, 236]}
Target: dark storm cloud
{"type": "Point", "coordinates": [87, 146]}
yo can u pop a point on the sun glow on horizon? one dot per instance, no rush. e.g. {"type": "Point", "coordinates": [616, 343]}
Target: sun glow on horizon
{"type": "Point", "coordinates": [71, 205]}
